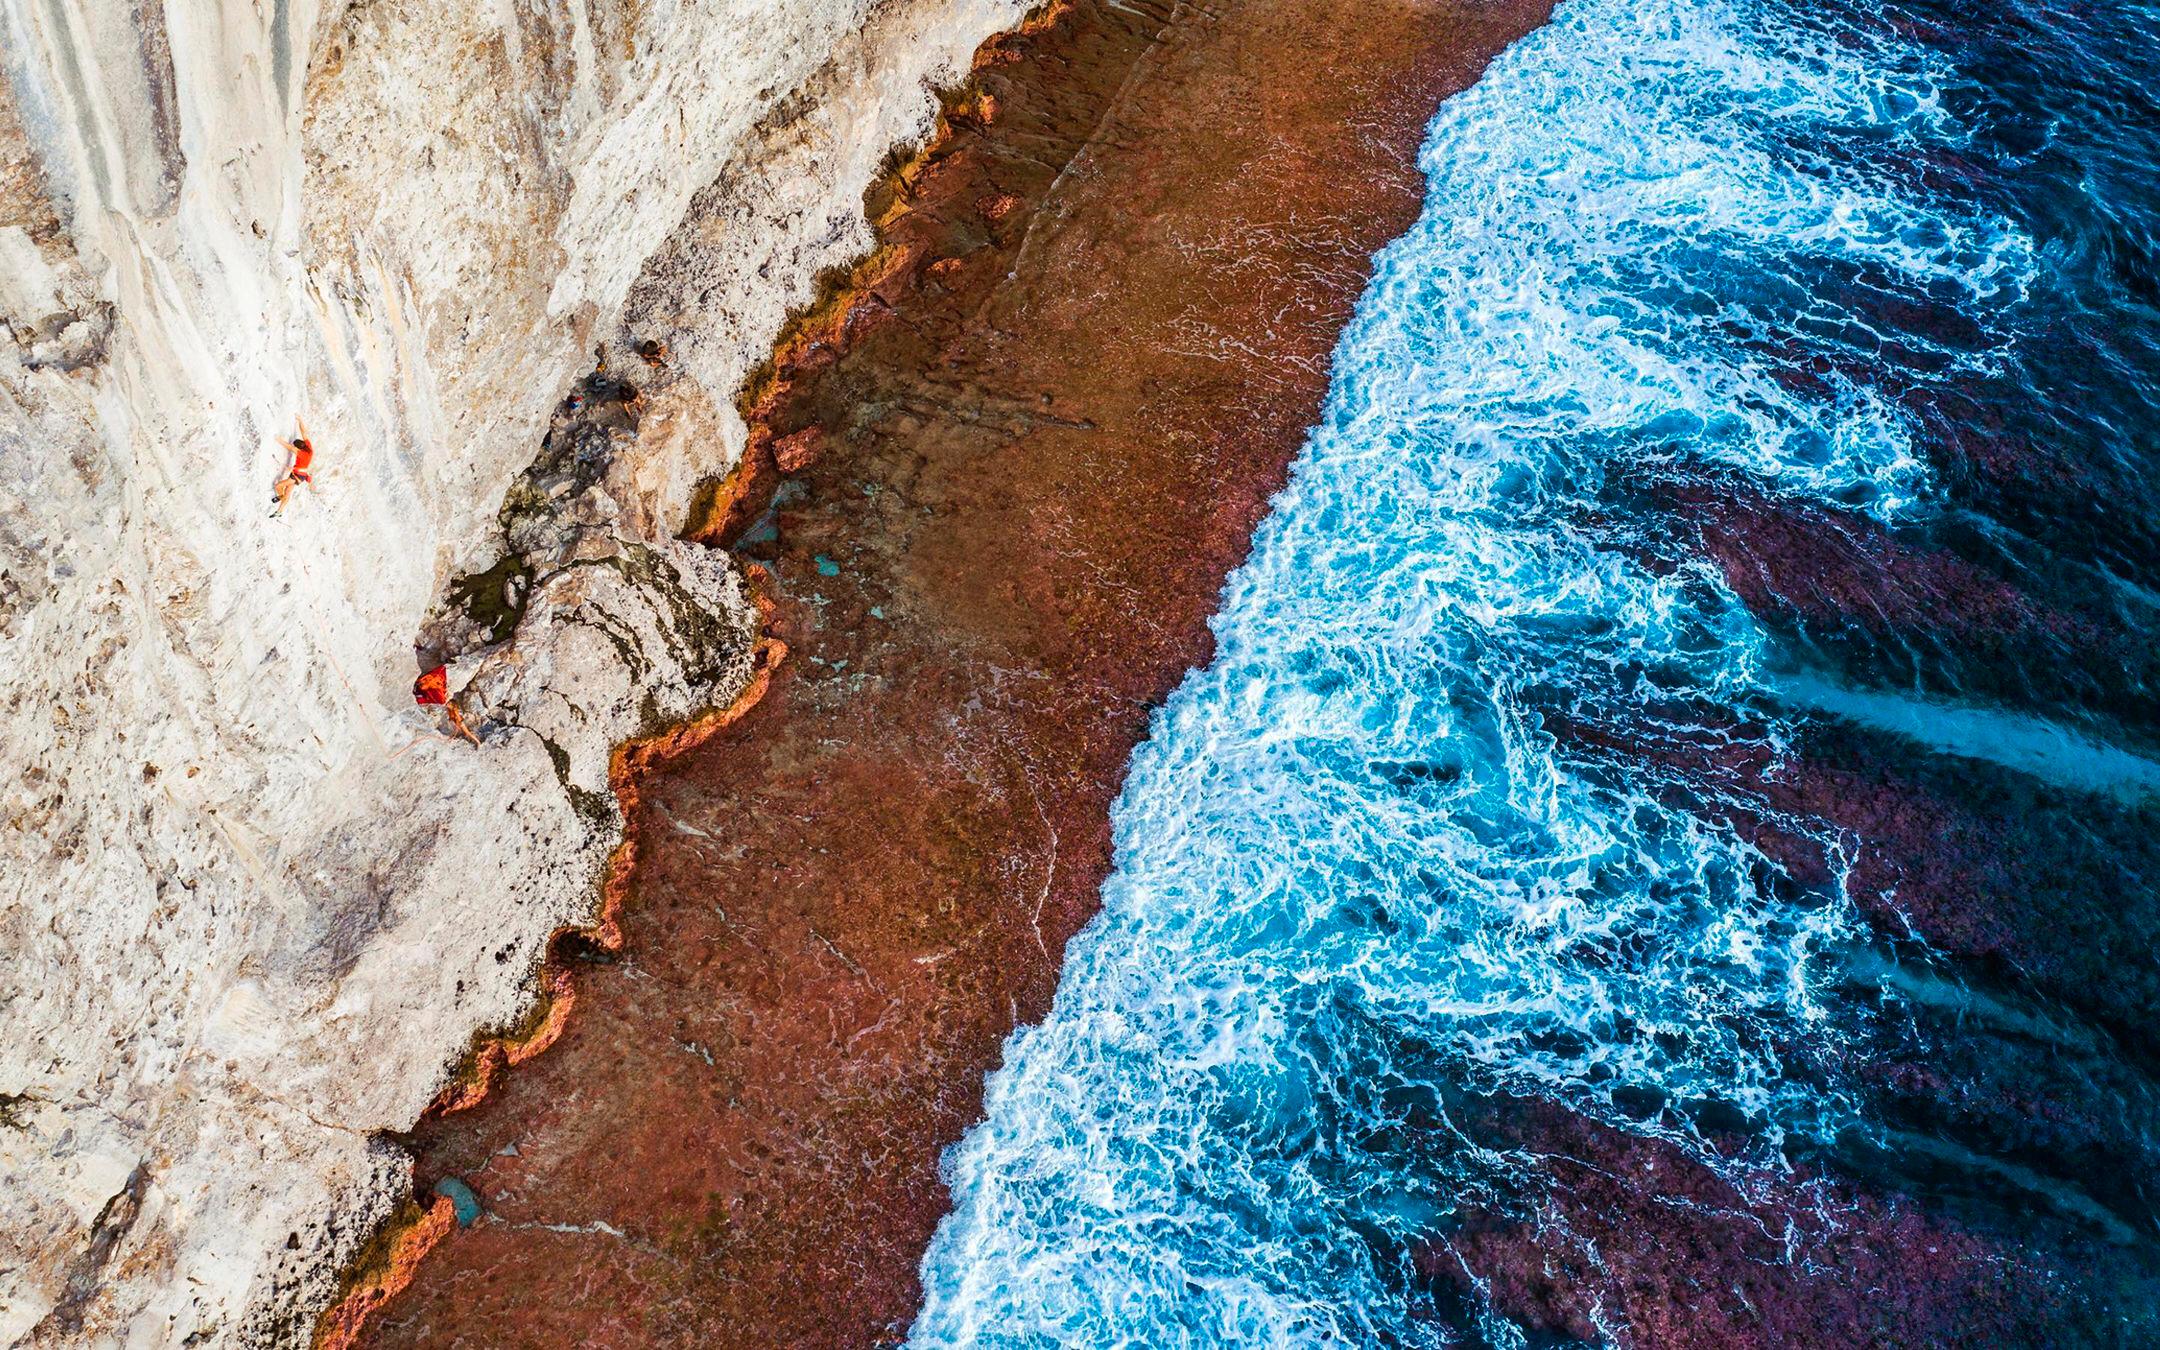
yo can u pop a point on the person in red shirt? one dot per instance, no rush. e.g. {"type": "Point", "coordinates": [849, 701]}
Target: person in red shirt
{"type": "Point", "coordinates": [303, 459]}
{"type": "Point", "coordinates": [432, 689]}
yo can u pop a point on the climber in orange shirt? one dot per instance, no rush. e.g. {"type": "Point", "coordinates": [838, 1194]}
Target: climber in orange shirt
{"type": "Point", "coordinates": [432, 689]}
{"type": "Point", "coordinates": [303, 458]}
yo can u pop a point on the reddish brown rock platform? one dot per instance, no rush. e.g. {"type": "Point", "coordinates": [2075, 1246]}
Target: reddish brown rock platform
{"type": "Point", "coordinates": [1006, 473]}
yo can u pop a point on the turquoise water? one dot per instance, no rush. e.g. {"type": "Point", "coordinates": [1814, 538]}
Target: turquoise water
{"type": "Point", "coordinates": [1364, 863]}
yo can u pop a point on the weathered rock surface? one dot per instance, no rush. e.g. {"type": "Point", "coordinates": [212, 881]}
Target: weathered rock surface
{"type": "Point", "coordinates": [253, 903]}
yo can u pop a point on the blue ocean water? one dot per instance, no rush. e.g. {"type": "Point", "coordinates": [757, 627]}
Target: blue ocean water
{"type": "Point", "coordinates": [1371, 859]}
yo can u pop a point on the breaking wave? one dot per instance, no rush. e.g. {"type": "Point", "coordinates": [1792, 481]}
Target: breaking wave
{"type": "Point", "coordinates": [1359, 870]}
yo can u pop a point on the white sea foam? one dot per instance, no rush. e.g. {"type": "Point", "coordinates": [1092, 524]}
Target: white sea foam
{"type": "Point", "coordinates": [1353, 865]}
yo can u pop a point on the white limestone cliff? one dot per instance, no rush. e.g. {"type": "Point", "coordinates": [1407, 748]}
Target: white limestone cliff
{"type": "Point", "coordinates": [253, 904]}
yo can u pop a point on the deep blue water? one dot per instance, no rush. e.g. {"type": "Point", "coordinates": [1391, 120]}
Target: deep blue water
{"type": "Point", "coordinates": [1699, 681]}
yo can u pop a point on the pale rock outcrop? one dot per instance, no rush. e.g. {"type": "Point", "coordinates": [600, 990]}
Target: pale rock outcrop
{"type": "Point", "coordinates": [253, 904]}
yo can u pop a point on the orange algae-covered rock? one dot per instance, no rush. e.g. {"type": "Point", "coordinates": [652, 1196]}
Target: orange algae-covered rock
{"type": "Point", "coordinates": [793, 454]}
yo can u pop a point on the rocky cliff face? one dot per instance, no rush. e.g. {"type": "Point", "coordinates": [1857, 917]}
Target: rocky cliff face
{"type": "Point", "coordinates": [253, 902]}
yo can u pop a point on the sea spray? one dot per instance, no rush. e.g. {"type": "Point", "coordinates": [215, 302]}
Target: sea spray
{"type": "Point", "coordinates": [1358, 871]}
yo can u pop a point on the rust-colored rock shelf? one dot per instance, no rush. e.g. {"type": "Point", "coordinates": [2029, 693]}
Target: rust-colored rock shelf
{"type": "Point", "coordinates": [998, 482]}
